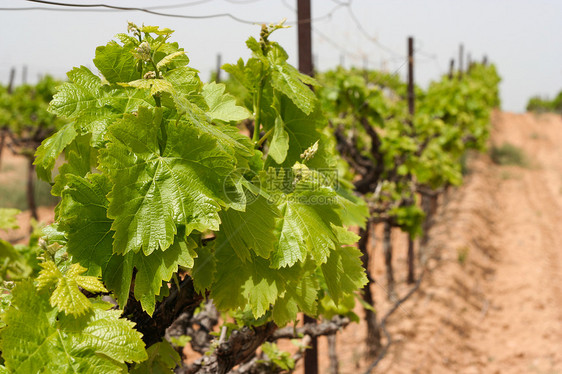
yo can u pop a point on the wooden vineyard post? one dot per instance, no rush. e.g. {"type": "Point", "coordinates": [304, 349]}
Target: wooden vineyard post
{"type": "Point", "coordinates": [411, 268]}
{"type": "Point", "coordinates": [4, 126]}
{"type": "Point", "coordinates": [451, 68]}
{"type": "Point", "coordinates": [305, 66]}
{"type": "Point", "coordinates": [32, 205]}
{"type": "Point", "coordinates": [411, 111]}
{"type": "Point", "coordinates": [461, 55]}
{"type": "Point", "coordinates": [411, 76]}
{"type": "Point", "coordinates": [12, 78]}
{"type": "Point", "coordinates": [304, 37]}
{"type": "Point", "coordinates": [219, 63]}
{"type": "Point", "coordinates": [387, 250]}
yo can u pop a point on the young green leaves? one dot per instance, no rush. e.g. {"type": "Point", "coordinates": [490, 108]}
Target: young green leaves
{"type": "Point", "coordinates": [155, 189]}
{"type": "Point", "coordinates": [164, 145]}
{"type": "Point", "coordinates": [66, 295]}
{"type": "Point", "coordinates": [167, 182]}
{"type": "Point", "coordinates": [38, 338]}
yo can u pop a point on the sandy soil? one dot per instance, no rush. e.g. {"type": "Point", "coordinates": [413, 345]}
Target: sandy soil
{"type": "Point", "coordinates": [492, 301]}
{"type": "Point", "coordinates": [500, 309]}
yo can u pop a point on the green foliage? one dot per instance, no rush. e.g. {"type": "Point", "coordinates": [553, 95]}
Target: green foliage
{"type": "Point", "coordinates": [8, 218]}
{"type": "Point", "coordinates": [18, 261]}
{"type": "Point", "coordinates": [38, 338]}
{"type": "Point", "coordinates": [539, 104]}
{"type": "Point", "coordinates": [462, 254]}
{"type": "Point", "coordinates": [67, 296]}
{"type": "Point", "coordinates": [341, 272]}
{"type": "Point", "coordinates": [162, 359]}
{"type": "Point", "coordinates": [155, 190]}
{"type": "Point", "coordinates": [397, 152]}
{"type": "Point", "coordinates": [24, 111]}
{"type": "Point", "coordinates": [280, 359]}
{"type": "Point", "coordinates": [508, 154]}
{"type": "Point", "coordinates": [48, 152]}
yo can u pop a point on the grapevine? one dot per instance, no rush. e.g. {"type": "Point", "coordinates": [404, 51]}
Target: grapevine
{"type": "Point", "coordinates": [181, 201]}
{"type": "Point", "coordinates": [168, 204]}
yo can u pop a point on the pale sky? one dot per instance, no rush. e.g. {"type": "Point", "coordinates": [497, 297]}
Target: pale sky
{"type": "Point", "coordinates": [522, 37]}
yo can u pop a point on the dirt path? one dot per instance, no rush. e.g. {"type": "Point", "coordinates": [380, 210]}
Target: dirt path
{"type": "Point", "coordinates": [523, 332]}
{"type": "Point", "coordinates": [493, 301]}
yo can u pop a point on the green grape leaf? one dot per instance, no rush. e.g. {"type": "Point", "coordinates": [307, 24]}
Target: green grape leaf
{"type": "Point", "coordinates": [7, 251]}
{"type": "Point", "coordinates": [49, 276]}
{"type": "Point", "coordinates": [156, 30]}
{"type": "Point", "coordinates": [222, 106]}
{"type": "Point", "coordinates": [84, 218]}
{"type": "Point", "coordinates": [124, 100]}
{"type": "Point", "coordinates": [300, 295]}
{"type": "Point", "coordinates": [258, 288]}
{"type": "Point", "coordinates": [106, 332]}
{"type": "Point", "coordinates": [281, 359]}
{"type": "Point", "coordinates": [96, 123]}
{"type": "Point", "coordinates": [8, 218]}
{"type": "Point", "coordinates": [80, 157]}
{"type": "Point", "coordinates": [280, 142]}
{"type": "Point", "coordinates": [166, 61]}
{"type": "Point", "coordinates": [186, 97]}
{"type": "Point", "coordinates": [82, 213]}
{"type": "Point", "coordinates": [204, 268]}
{"type": "Point", "coordinates": [185, 80]}
{"type": "Point", "coordinates": [159, 266]}
{"type": "Point", "coordinates": [329, 308]}
{"type": "Point", "coordinates": [117, 275]}
{"type": "Point", "coordinates": [50, 149]}
{"type": "Point", "coordinates": [228, 138]}
{"type": "Point", "coordinates": [67, 297]}
{"type": "Point", "coordinates": [82, 92]}
{"type": "Point", "coordinates": [247, 74]}
{"type": "Point", "coordinates": [162, 359]}
{"type": "Point", "coordinates": [354, 210]}
{"type": "Point", "coordinates": [252, 229]}
{"type": "Point", "coordinates": [36, 340]}
{"type": "Point", "coordinates": [343, 272]}
{"type": "Point", "coordinates": [156, 86]}
{"type": "Point", "coordinates": [116, 62]}
{"type": "Point", "coordinates": [180, 58]}
{"type": "Point", "coordinates": [255, 284]}
{"type": "Point", "coordinates": [306, 227]}
{"type": "Point", "coordinates": [154, 190]}
{"type": "Point", "coordinates": [304, 131]}
{"type": "Point", "coordinates": [254, 46]}
{"type": "Point", "coordinates": [345, 236]}
{"type": "Point", "coordinates": [287, 79]}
